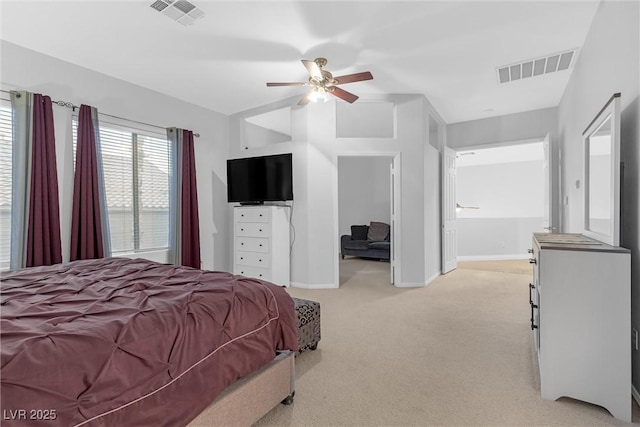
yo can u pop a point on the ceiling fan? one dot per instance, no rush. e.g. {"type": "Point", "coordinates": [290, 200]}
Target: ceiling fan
{"type": "Point", "coordinates": [322, 82]}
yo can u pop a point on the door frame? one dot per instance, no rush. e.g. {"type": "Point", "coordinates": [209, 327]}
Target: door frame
{"type": "Point", "coordinates": [549, 224]}
{"type": "Point", "coordinates": [449, 238]}
{"type": "Point", "coordinates": [396, 205]}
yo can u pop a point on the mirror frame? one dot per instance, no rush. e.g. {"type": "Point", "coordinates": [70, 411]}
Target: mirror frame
{"type": "Point", "coordinates": [610, 110]}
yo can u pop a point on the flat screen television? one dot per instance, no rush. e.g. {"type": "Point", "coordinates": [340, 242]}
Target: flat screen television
{"type": "Point", "coordinates": [255, 180]}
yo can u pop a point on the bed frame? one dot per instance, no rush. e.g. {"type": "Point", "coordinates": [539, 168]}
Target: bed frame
{"type": "Point", "coordinates": [250, 398]}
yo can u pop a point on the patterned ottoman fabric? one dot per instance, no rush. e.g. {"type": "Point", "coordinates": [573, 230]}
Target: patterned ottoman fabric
{"type": "Point", "coordinates": [308, 323]}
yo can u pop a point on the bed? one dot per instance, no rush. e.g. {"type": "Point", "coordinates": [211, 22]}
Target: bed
{"type": "Point", "coordinates": [119, 342]}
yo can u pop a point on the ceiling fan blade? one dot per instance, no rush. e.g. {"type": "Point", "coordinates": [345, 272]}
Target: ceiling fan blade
{"type": "Point", "coordinates": [313, 69]}
{"type": "Point", "coordinates": [306, 99]}
{"type": "Point", "coordinates": [350, 78]}
{"type": "Point", "coordinates": [287, 84]}
{"type": "Point", "coordinates": [343, 94]}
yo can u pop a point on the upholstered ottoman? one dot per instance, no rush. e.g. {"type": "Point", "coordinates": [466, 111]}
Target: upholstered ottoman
{"type": "Point", "coordinates": [308, 313]}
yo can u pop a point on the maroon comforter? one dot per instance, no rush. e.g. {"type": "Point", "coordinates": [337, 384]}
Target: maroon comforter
{"type": "Point", "coordinates": [120, 342]}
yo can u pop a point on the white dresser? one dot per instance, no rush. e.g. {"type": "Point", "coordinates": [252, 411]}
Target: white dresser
{"type": "Point", "coordinates": [581, 319]}
{"type": "Point", "coordinates": [261, 242]}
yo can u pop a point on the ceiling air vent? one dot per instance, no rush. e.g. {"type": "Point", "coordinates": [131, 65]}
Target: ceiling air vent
{"type": "Point", "coordinates": [180, 11]}
{"type": "Point", "coordinates": [536, 67]}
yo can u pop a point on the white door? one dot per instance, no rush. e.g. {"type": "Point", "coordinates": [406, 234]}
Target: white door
{"type": "Point", "coordinates": [449, 235]}
{"type": "Point", "coordinates": [548, 182]}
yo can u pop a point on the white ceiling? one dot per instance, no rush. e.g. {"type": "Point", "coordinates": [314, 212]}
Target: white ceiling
{"type": "Point", "coordinates": [447, 51]}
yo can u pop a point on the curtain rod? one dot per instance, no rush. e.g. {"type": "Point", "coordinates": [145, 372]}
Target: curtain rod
{"type": "Point", "coordinates": [73, 108]}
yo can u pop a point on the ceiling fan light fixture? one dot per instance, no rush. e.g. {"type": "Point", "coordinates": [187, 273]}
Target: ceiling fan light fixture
{"type": "Point", "coordinates": [324, 84]}
{"type": "Point", "coordinates": [319, 94]}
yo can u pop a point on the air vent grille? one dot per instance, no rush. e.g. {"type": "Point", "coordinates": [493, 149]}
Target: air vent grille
{"type": "Point", "coordinates": [184, 6]}
{"type": "Point", "coordinates": [159, 5]}
{"type": "Point", "coordinates": [180, 11]}
{"type": "Point", "coordinates": [536, 67]}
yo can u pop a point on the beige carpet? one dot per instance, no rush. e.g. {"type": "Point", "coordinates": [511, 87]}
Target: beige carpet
{"type": "Point", "coordinates": [458, 352]}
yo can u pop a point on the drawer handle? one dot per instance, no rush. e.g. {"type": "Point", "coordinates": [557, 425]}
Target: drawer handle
{"type": "Point", "coordinates": [241, 258]}
{"type": "Point", "coordinates": [259, 260]}
{"type": "Point", "coordinates": [533, 325]}
{"type": "Point", "coordinates": [241, 214]}
{"type": "Point", "coordinates": [242, 244]}
{"type": "Point", "coordinates": [260, 244]}
{"type": "Point", "coordinates": [530, 289]}
{"type": "Point", "coordinates": [530, 250]}
{"type": "Point", "coordinates": [533, 261]}
{"type": "Point", "coordinates": [261, 230]}
{"type": "Point", "coordinates": [260, 214]}
{"type": "Point", "coordinates": [242, 229]}
{"type": "Point", "coordinates": [260, 275]}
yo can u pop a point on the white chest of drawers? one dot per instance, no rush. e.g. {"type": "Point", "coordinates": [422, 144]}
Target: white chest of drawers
{"type": "Point", "coordinates": [580, 300]}
{"type": "Point", "coordinates": [261, 243]}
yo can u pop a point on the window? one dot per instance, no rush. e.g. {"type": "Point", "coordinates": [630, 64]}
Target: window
{"type": "Point", "coordinates": [136, 172]}
{"type": "Point", "coordinates": [6, 137]}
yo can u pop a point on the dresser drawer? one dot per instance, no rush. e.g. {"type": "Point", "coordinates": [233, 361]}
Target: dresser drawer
{"type": "Point", "coordinates": [252, 259]}
{"type": "Point", "coordinates": [252, 229]}
{"type": "Point", "coordinates": [252, 244]}
{"type": "Point", "coordinates": [257, 272]}
{"type": "Point", "coordinates": [252, 214]}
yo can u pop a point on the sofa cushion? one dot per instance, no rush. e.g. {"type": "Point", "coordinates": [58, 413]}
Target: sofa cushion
{"type": "Point", "coordinates": [380, 245]}
{"type": "Point", "coordinates": [359, 232]}
{"type": "Point", "coordinates": [356, 245]}
{"type": "Point", "coordinates": [378, 231]}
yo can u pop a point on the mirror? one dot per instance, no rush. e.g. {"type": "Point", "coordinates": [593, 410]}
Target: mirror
{"type": "Point", "coordinates": [602, 174]}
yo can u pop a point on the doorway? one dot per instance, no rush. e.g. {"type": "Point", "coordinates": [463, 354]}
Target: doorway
{"type": "Point", "coordinates": [367, 194]}
{"type": "Point", "coordinates": [500, 200]}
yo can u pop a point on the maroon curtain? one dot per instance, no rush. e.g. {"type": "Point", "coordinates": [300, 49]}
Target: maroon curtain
{"type": "Point", "coordinates": [190, 224]}
{"type": "Point", "coordinates": [86, 224]}
{"type": "Point", "coordinates": [43, 233]}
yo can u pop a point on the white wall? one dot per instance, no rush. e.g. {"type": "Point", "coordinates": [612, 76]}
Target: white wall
{"type": "Point", "coordinates": [510, 127]}
{"type": "Point", "coordinates": [609, 62]}
{"type": "Point", "coordinates": [481, 239]}
{"type": "Point", "coordinates": [298, 147]}
{"type": "Point", "coordinates": [24, 69]}
{"type": "Point", "coordinates": [315, 149]}
{"type": "Point", "coordinates": [501, 190]}
{"type": "Point", "coordinates": [526, 127]}
{"type": "Point", "coordinates": [511, 201]}
{"type": "Point", "coordinates": [361, 201]}
{"type": "Point", "coordinates": [257, 136]}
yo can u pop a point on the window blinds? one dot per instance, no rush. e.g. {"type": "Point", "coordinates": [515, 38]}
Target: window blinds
{"type": "Point", "coordinates": [136, 171]}
{"type": "Point", "coordinates": [6, 137]}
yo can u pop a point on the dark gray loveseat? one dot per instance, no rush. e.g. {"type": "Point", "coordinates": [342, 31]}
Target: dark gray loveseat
{"type": "Point", "coordinates": [367, 241]}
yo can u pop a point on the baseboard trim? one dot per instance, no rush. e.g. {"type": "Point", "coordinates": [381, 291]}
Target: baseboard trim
{"type": "Point", "coordinates": [432, 278]}
{"type": "Point", "coordinates": [635, 394]}
{"type": "Point", "coordinates": [492, 257]}
{"type": "Point", "coordinates": [410, 285]}
{"type": "Point", "coordinates": [314, 285]}
{"type": "Point", "coordinates": [333, 286]}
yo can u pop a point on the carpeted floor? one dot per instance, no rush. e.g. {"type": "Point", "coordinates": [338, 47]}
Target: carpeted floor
{"type": "Point", "coordinates": [458, 352]}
